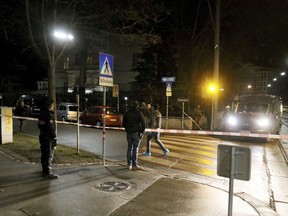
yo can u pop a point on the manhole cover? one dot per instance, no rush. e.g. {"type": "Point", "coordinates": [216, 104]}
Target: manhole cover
{"type": "Point", "coordinates": [113, 186]}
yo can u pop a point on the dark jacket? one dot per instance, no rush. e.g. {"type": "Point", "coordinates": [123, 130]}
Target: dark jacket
{"type": "Point", "coordinates": [46, 124]}
{"type": "Point", "coordinates": [145, 112]}
{"type": "Point", "coordinates": [21, 111]}
{"type": "Point", "coordinates": [133, 121]}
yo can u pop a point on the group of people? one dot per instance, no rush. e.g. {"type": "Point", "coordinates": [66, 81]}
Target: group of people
{"type": "Point", "coordinates": [135, 120]}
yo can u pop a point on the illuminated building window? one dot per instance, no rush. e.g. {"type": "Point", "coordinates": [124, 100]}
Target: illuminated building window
{"type": "Point", "coordinates": [66, 62]}
{"type": "Point", "coordinates": [89, 60]}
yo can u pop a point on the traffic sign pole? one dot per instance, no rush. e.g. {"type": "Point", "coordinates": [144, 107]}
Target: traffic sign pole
{"type": "Point", "coordinates": [168, 81]}
{"type": "Point", "coordinates": [104, 131]}
{"type": "Point", "coordinates": [167, 105]}
{"type": "Point", "coordinates": [106, 64]}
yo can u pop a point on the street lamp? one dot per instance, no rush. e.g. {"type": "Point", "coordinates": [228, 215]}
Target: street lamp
{"type": "Point", "coordinates": [53, 59]}
{"type": "Point", "coordinates": [62, 36]}
{"type": "Point", "coordinates": [212, 90]}
{"type": "Point", "coordinates": [126, 103]}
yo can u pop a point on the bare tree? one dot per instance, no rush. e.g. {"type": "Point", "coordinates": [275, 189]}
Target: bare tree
{"type": "Point", "coordinates": [125, 18]}
{"type": "Point", "coordinates": [42, 18]}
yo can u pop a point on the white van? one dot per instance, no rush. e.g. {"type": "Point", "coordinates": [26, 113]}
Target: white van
{"type": "Point", "coordinates": [256, 113]}
{"type": "Point", "coordinates": [68, 111]}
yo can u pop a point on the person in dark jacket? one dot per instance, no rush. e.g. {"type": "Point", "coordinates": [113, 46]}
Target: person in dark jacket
{"type": "Point", "coordinates": [47, 138]}
{"type": "Point", "coordinates": [134, 124]}
{"type": "Point", "coordinates": [156, 120]}
{"type": "Point", "coordinates": [143, 108]}
{"type": "Point", "coordinates": [21, 111]}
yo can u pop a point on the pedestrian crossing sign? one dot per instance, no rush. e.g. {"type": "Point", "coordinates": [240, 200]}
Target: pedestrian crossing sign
{"type": "Point", "coordinates": [106, 69]}
{"type": "Point", "coordinates": [169, 89]}
{"type": "Point", "coordinates": [169, 86]}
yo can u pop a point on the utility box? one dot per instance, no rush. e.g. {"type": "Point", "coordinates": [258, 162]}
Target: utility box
{"type": "Point", "coordinates": [6, 125]}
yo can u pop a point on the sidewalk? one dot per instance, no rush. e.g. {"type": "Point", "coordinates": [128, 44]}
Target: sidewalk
{"type": "Point", "coordinates": [113, 190]}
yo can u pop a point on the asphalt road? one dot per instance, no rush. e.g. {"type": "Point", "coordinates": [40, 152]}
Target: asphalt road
{"type": "Point", "coordinates": [266, 163]}
{"type": "Point", "coordinates": [90, 139]}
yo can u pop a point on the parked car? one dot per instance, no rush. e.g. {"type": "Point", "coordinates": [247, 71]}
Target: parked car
{"type": "Point", "coordinates": [33, 103]}
{"type": "Point", "coordinates": [68, 111]}
{"type": "Point", "coordinates": [94, 116]}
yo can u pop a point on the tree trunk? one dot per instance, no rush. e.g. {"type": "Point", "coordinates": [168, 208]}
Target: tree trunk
{"type": "Point", "coordinates": [82, 75]}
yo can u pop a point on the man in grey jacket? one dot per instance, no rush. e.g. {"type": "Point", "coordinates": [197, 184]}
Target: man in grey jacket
{"type": "Point", "coordinates": [156, 120]}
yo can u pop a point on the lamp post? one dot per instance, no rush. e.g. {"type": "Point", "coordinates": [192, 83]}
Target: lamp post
{"type": "Point", "coordinates": [216, 63]}
{"type": "Point", "coordinates": [126, 103]}
{"type": "Point", "coordinates": [61, 36]}
{"type": "Point", "coordinates": [212, 90]}
{"type": "Point", "coordinates": [54, 57]}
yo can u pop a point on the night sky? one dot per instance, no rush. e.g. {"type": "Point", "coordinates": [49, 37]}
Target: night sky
{"type": "Point", "coordinates": [251, 32]}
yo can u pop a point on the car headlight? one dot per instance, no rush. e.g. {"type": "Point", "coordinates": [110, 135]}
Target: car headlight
{"type": "Point", "coordinates": [231, 120]}
{"type": "Point", "coordinates": [263, 122]}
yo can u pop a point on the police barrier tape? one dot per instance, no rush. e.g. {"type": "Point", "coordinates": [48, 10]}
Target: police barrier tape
{"type": "Point", "coordinates": [179, 131]}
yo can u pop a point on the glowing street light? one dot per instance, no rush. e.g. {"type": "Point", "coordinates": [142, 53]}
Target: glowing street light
{"type": "Point", "coordinates": [61, 35]}
{"type": "Point", "coordinates": [283, 73]}
{"type": "Point", "coordinates": [212, 88]}
{"type": "Point", "coordinates": [55, 55]}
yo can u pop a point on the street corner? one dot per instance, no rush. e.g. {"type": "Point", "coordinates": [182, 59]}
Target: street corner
{"type": "Point", "coordinates": [182, 197]}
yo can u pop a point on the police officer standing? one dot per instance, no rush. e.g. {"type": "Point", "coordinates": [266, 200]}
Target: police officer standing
{"type": "Point", "coordinates": [47, 138]}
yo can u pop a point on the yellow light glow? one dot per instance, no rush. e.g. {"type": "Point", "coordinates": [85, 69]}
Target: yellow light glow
{"type": "Point", "coordinates": [212, 88]}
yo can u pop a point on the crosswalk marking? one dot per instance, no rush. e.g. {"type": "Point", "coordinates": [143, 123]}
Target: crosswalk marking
{"type": "Point", "coordinates": [191, 153]}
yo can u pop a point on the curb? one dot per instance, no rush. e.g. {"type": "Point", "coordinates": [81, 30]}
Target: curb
{"type": "Point", "coordinates": [284, 153]}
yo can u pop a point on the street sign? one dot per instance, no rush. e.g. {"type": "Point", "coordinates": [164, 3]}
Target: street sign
{"type": "Point", "coordinates": [233, 162]}
{"type": "Point", "coordinates": [241, 160]}
{"type": "Point", "coordinates": [106, 62]}
{"type": "Point", "coordinates": [168, 79]}
{"type": "Point", "coordinates": [182, 100]}
{"type": "Point", "coordinates": [115, 90]}
{"type": "Point", "coordinates": [169, 86]}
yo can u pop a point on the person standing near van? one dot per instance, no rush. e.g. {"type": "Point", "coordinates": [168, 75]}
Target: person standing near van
{"type": "Point", "coordinates": [156, 120]}
{"type": "Point", "coordinates": [134, 124]}
{"type": "Point", "coordinates": [21, 111]}
{"type": "Point", "coordinates": [197, 116]}
{"type": "Point", "coordinates": [47, 138]}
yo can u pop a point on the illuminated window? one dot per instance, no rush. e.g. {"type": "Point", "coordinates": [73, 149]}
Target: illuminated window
{"type": "Point", "coordinates": [89, 60]}
{"type": "Point", "coordinates": [66, 62]}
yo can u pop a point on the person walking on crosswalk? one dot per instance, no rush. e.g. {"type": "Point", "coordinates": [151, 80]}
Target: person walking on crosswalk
{"type": "Point", "coordinates": [155, 123]}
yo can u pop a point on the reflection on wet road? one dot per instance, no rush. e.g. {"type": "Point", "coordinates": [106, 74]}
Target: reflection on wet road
{"type": "Point", "coordinates": [193, 153]}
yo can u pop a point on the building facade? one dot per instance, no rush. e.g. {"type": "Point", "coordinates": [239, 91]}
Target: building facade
{"type": "Point", "coordinates": [256, 79]}
{"type": "Point", "coordinates": [75, 58]}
